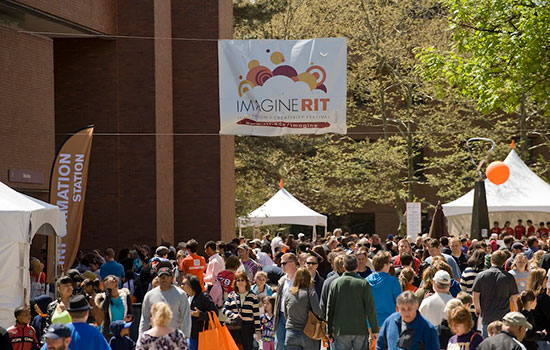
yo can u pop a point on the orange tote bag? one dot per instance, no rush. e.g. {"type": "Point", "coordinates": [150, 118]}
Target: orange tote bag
{"type": "Point", "coordinates": [216, 337]}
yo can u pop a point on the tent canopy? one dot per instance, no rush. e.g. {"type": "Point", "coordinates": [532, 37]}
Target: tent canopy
{"type": "Point", "coordinates": [283, 208]}
{"type": "Point", "coordinates": [21, 217]}
{"type": "Point", "coordinates": [523, 196]}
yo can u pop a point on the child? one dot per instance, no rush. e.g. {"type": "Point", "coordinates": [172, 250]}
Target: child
{"type": "Point", "coordinates": [406, 277]}
{"type": "Point", "coordinates": [39, 321]}
{"type": "Point", "coordinates": [23, 336]}
{"type": "Point", "coordinates": [461, 323]}
{"type": "Point", "coordinates": [527, 302]}
{"type": "Point", "coordinates": [120, 339]}
{"type": "Point", "coordinates": [268, 323]}
{"type": "Point", "coordinates": [261, 289]}
{"type": "Point", "coordinates": [467, 301]}
{"type": "Point", "coordinates": [494, 328]}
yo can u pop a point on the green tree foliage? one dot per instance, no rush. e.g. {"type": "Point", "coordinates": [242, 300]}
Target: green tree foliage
{"type": "Point", "coordinates": [396, 114]}
{"type": "Point", "coordinates": [501, 52]}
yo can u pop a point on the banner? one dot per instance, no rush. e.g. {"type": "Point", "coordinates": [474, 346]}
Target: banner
{"type": "Point", "coordinates": [278, 87]}
{"type": "Point", "coordinates": [68, 190]}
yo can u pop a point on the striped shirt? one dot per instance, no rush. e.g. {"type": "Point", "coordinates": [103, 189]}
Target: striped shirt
{"type": "Point", "coordinates": [467, 280]}
{"type": "Point", "coordinates": [250, 309]}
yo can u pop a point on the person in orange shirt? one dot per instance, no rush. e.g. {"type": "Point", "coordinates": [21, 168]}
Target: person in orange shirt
{"type": "Point", "coordinates": [194, 264]}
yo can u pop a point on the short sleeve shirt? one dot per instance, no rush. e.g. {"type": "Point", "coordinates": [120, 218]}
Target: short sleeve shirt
{"type": "Point", "coordinates": [495, 302]}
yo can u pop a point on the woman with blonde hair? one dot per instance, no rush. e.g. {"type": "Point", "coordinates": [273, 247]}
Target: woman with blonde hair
{"type": "Point", "coordinates": [161, 336]}
{"type": "Point", "coordinates": [536, 259]}
{"type": "Point", "coordinates": [537, 281]}
{"type": "Point", "coordinates": [519, 271]}
{"type": "Point", "coordinates": [299, 301]}
{"type": "Point", "coordinates": [38, 279]}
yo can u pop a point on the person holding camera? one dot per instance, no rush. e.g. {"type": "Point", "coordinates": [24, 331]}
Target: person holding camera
{"type": "Point", "coordinates": [115, 303]}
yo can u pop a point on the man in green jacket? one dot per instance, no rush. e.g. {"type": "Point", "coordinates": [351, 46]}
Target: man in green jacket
{"type": "Point", "coordinates": [350, 304]}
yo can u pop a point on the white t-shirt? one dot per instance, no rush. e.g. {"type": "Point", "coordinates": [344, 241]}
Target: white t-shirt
{"type": "Point", "coordinates": [433, 307]}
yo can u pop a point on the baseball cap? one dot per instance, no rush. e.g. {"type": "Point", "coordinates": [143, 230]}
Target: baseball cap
{"type": "Point", "coordinates": [164, 271]}
{"type": "Point", "coordinates": [390, 236]}
{"type": "Point", "coordinates": [117, 326]}
{"type": "Point", "coordinates": [57, 330]}
{"type": "Point", "coordinates": [442, 277]}
{"type": "Point", "coordinates": [301, 235]}
{"type": "Point", "coordinates": [515, 318]}
{"type": "Point", "coordinates": [517, 245]}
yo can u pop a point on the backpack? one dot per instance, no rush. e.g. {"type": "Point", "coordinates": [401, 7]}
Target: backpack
{"type": "Point", "coordinates": [216, 293]}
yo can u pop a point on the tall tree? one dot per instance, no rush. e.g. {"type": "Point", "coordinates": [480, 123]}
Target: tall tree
{"type": "Point", "coordinates": [409, 136]}
{"type": "Point", "coordinates": [500, 57]}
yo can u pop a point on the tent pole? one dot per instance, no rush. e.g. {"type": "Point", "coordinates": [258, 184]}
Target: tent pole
{"type": "Point", "coordinates": [240, 231]}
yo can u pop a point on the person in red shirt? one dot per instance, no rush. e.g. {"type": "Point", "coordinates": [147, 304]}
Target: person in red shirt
{"type": "Point", "coordinates": [193, 263]}
{"type": "Point", "coordinates": [23, 336]}
{"type": "Point", "coordinates": [507, 230]}
{"type": "Point", "coordinates": [530, 228]}
{"type": "Point", "coordinates": [495, 228]}
{"type": "Point", "coordinates": [405, 247]}
{"type": "Point", "coordinates": [519, 230]}
{"type": "Point", "coordinates": [541, 229]}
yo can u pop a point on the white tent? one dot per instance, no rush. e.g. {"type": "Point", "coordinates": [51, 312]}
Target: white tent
{"type": "Point", "coordinates": [283, 208]}
{"type": "Point", "coordinates": [523, 196]}
{"type": "Point", "coordinates": [21, 217]}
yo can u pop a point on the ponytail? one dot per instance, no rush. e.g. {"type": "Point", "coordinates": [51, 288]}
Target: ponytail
{"type": "Point", "coordinates": [525, 297]}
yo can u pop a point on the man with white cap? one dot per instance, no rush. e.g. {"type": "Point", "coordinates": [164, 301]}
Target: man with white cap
{"type": "Point", "coordinates": [514, 327]}
{"type": "Point", "coordinates": [433, 307]}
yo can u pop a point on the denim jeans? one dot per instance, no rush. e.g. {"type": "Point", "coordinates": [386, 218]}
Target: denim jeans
{"type": "Point", "coordinates": [484, 331]}
{"type": "Point", "coordinates": [543, 345]}
{"type": "Point", "coordinates": [193, 343]}
{"type": "Point", "coordinates": [297, 340]}
{"type": "Point", "coordinates": [281, 333]}
{"type": "Point", "coordinates": [351, 342]}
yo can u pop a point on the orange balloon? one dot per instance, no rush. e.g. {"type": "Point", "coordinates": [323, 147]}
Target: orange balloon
{"type": "Point", "coordinates": [497, 172]}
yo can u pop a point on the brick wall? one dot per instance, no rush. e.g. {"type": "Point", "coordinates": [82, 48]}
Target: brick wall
{"type": "Point", "coordinates": [27, 106]}
{"type": "Point", "coordinates": [200, 165]}
{"type": "Point", "coordinates": [99, 15]}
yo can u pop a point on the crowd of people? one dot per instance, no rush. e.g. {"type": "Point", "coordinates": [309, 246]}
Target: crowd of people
{"type": "Point", "coordinates": [341, 291]}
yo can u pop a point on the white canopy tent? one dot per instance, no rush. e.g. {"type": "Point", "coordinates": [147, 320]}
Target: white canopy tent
{"type": "Point", "coordinates": [283, 208]}
{"type": "Point", "coordinates": [523, 196]}
{"type": "Point", "coordinates": [21, 217]}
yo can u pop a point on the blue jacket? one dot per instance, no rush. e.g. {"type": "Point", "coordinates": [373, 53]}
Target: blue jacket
{"type": "Point", "coordinates": [385, 289]}
{"type": "Point", "coordinates": [420, 334]}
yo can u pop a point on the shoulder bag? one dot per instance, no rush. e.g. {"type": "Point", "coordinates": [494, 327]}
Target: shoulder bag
{"type": "Point", "coordinates": [235, 323]}
{"type": "Point", "coordinates": [315, 327]}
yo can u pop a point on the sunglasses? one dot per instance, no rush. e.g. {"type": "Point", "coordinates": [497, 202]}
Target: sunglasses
{"type": "Point", "coordinates": [311, 263]}
{"type": "Point", "coordinates": [285, 262]}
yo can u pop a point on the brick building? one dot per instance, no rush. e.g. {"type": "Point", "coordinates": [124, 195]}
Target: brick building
{"type": "Point", "coordinates": [159, 170]}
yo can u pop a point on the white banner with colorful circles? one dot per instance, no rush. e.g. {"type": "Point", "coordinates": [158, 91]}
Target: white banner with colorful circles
{"type": "Point", "coordinates": [278, 87]}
